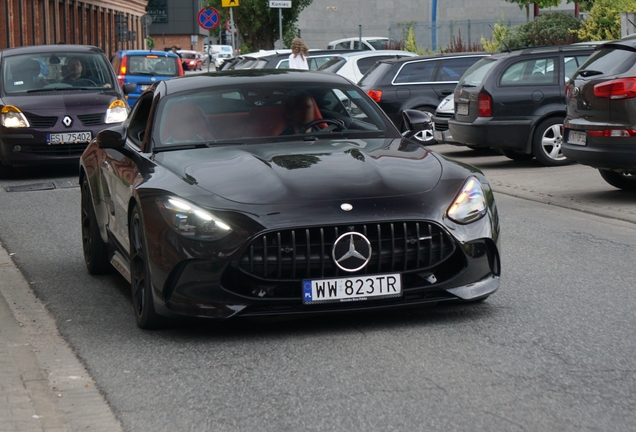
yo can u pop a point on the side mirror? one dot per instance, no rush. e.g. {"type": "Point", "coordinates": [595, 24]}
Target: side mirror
{"type": "Point", "coordinates": [415, 121]}
{"type": "Point", "coordinates": [130, 88]}
{"type": "Point", "coordinates": [113, 138]}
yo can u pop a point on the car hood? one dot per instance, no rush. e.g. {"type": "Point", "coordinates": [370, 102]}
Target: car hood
{"type": "Point", "coordinates": [44, 103]}
{"type": "Point", "coordinates": [293, 172]}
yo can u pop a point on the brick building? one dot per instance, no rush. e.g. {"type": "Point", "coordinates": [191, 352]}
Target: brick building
{"type": "Point", "coordinates": [86, 22]}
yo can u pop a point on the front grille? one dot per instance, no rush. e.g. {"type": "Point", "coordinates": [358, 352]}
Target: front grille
{"type": "Point", "coordinates": [443, 115]}
{"type": "Point", "coordinates": [91, 119]}
{"type": "Point", "coordinates": [57, 150]}
{"type": "Point", "coordinates": [41, 122]}
{"type": "Point", "coordinates": [307, 252]}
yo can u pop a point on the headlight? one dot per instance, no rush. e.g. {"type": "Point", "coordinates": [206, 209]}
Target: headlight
{"type": "Point", "coordinates": [470, 203]}
{"type": "Point", "coordinates": [192, 221]}
{"type": "Point", "coordinates": [116, 112]}
{"type": "Point", "coordinates": [12, 117]}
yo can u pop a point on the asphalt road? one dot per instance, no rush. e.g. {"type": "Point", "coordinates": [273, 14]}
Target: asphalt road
{"type": "Point", "coordinates": [553, 349]}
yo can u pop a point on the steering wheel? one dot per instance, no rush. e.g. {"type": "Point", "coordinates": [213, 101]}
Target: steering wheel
{"type": "Point", "coordinates": [84, 82]}
{"type": "Point", "coordinates": [335, 125]}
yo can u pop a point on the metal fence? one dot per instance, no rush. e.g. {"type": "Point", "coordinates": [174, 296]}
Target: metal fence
{"type": "Point", "coordinates": [430, 36]}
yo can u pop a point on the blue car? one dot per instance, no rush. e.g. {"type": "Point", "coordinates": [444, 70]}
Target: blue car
{"type": "Point", "coordinates": [144, 68]}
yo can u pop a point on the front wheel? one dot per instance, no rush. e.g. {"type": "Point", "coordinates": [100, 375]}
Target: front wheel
{"type": "Point", "coordinates": [140, 282]}
{"type": "Point", "coordinates": [547, 141]}
{"type": "Point", "coordinates": [619, 180]}
{"type": "Point", "coordinates": [95, 249]}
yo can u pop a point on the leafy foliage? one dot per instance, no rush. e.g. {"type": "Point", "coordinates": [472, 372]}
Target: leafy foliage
{"type": "Point", "coordinates": [410, 42]}
{"type": "Point", "coordinates": [258, 23]}
{"type": "Point", "coordinates": [554, 28]}
{"type": "Point", "coordinates": [500, 33]}
{"type": "Point", "coordinates": [457, 44]}
{"type": "Point", "coordinates": [604, 22]}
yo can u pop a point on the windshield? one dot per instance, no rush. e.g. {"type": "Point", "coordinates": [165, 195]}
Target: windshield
{"type": "Point", "coordinates": [188, 56]}
{"type": "Point", "coordinates": [475, 74]}
{"type": "Point", "coordinates": [378, 44]}
{"type": "Point", "coordinates": [31, 73]}
{"type": "Point", "coordinates": [261, 113]}
{"type": "Point", "coordinates": [152, 64]}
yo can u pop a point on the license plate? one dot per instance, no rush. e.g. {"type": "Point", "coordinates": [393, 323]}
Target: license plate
{"type": "Point", "coordinates": [576, 138]}
{"type": "Point", "coordinates": [437, 135]}
{"type": "Point", "coordinates": [351, 288]}
{"type": "Point", "coordinates": [462, 109]}
{"type": "Point", "coordinates": [69, 138]}
{"type": "Point", "coordinates": [144, 87]}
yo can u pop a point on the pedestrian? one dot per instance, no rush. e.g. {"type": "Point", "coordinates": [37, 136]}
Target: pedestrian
{"type": "Point", "coordinates": [298, 57]}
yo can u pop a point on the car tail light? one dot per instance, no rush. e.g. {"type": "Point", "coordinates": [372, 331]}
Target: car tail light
{"type": "Point", "coordinates": [612, 133]}
{"type": "Point", "coordinates": [376, 95]}
{"type": "Point", "coordinates": [624, 88]}
{"type": "Point", "coordinates": [121, 73]}
{"type": "Point", "coordinates": [484, 105]}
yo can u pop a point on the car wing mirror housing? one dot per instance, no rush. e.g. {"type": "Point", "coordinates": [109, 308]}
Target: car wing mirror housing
{"type": "Point", "coordinates": [130, 88]}
{"type": "Point", "coordinates": [415, 121]}
{"type": "Point", "coordinates": [113, 138]}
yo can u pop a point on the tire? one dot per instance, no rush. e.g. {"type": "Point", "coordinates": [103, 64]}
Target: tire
{"type": "Point", "coordinates": [546, 143]}
{"type": "Point", "coordinates": [140, 282]}
{"type": "Point", "coordinates": [95, 249]}
{"type": "Point", "coordinates": [516, 155]}
{"type": "Point", "coordinates": [618, 180]}
{"type": "Point", "coordinates": [426, 136]}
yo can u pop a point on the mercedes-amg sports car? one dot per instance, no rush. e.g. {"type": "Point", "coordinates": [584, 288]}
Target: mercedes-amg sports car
{"type": "Point", "coordinates": [267, 193]}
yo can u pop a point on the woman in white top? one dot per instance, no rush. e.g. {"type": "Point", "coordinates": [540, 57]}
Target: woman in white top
{"type": "Point", "coordinates": [298, 57]}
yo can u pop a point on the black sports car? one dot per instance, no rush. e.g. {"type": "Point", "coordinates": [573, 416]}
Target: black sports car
{"type": "Point", "coordinates": [269, 192]}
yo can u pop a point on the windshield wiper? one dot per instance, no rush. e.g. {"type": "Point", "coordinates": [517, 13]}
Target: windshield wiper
{"type": "Point", "coordinates": [588, 73]}
{"type": "Point", "coordinates": [180, 147]}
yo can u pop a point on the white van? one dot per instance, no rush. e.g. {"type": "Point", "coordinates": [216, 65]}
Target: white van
{"type": "Point", "coordinates": [220, 53]}
{"type": "Point", "coordinates": [368, 43]}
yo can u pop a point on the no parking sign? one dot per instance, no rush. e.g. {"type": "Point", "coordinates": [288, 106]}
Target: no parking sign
{"type": "Point", "coordinates": [208, 18]}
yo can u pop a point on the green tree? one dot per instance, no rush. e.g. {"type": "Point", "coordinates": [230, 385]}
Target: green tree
{"type": "Point", "coordinates": [258, 23]}
{"type": "Point", "coordinates": [604, 22]}
{"type": "Point", "coordinates": [553, 28]}
{"type": "Point", "coordinates": [410, 42]}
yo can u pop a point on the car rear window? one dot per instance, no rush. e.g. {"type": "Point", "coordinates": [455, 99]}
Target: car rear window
{"type": "Point", "coordinates": [453, 69]}
{"type": "Point", "coordinates": [375, 74]}
{"type": "Point", "coordinates": [608, 61]}
{"type": "Point", "coordinates": [333, 65]}
{"type": "Point", "coordinates": [152, 65]}
{"type": "Point", "coordinates": [476, 73]}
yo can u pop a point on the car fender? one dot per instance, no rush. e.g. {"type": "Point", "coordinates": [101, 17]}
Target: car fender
{"type": "Point", "coordinates": [544, 112]}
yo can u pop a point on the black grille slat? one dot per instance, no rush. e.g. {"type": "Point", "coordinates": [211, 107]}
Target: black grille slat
{"type": "Point", "coordinates": [92, 119]}
{"type": "Point", "coordinates": [300, 255]}
{"type": "Point", "coordinates": [41, 122]}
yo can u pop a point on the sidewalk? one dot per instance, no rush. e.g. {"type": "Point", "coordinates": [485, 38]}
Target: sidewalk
{"type": "Point", "coordinates": [43, 386]}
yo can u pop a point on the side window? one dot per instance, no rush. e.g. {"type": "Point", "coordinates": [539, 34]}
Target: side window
{"type": "Point", "coordinates": [343, 45]}
{"type": "Point", "coordinates": [453, 69]}
{"type": "Point", "coordinates": [316, 62]}
{"type": "Point", "coordinates": [417, 72]}
{"type": "Point", "coordinates": [530, 72]}
{"type": "Point", "coordinates": [139, 119]}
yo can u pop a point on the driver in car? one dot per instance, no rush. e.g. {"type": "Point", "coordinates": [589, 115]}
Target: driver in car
{"type": "Point", "coordinates": [299, 112]}
{"type": "Point", "coordinates": [75, 76]}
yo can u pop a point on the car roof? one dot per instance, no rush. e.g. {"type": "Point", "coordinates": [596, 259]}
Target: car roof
{"type": "Point", "coordinates": [364, 38]}
{"type": "Point", "coordinates": [247, 77]}
{"type": "Point", "coordinates": [436, 56]}
{"type": "Point", "coordinates": [38, 49]}
{"type": "Point", "coordinates": [286, 52]}
{"type": "Point", "coordinates": [367, 53]}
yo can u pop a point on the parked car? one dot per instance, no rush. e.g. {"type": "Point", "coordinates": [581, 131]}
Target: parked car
{"type": "Point", "coordinates": [368, 43]}
{"type": "Point", "coordinates": [54, 100]}
{"type": "Point", "coordinates": [279, 59]}
{"type": "Point", "coordinates": [220, 54]}
{"type": "Point", "coordinates": [144, 68]}
{"type": "Point", "coordinates": [415, 83]}
{"type": "Point", "coordinates": [190, 60]}
{"type": "Point", "coordinates": [354, 65]}
{"type": "Point", "coordinates": [515, 102]}
{"type": "Point", "coordinates": [444, 112]}
{"type": "Point", "coordinates": [229, 196]}
{"type": "Point", "coordinates": [600, 126]}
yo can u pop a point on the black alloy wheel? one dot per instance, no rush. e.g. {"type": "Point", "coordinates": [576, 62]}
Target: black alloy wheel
{"type": "Point", "coordinates": [546, 143]}
{"type": "Point", "coordinates": [619, 180]}
{"type": "Point", "coordinates": [516, 155]}
{"type": "Point", "coordinates": [95, 249]}
{"type": "Point", "coordinates": [140, 283]}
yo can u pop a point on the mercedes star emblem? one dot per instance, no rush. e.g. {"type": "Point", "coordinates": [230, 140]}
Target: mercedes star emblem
{"type": "Point", "coordinates": [351, 251]}
{"type": "Point", "coordinates": [67, 121]}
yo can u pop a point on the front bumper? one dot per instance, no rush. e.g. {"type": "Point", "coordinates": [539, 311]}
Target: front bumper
{"type": "Point", "coordinates": [487, 132]}
{"type": "Point", "coordinates": [441, 132]}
